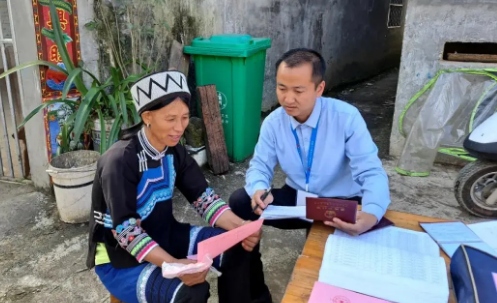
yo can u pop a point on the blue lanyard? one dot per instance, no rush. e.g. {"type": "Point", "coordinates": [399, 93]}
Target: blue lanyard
{"type": "Point", "coordinates": [310, 155]}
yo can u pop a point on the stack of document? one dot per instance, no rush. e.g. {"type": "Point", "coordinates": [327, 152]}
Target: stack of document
{"type": "Point", "coordinates": [450, 235]}
{"type": "Point", "coordinates": [393, 264]}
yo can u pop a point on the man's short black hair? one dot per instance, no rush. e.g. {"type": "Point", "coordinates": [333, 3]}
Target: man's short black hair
{"type": "Point", "coordinates": [298, 56]}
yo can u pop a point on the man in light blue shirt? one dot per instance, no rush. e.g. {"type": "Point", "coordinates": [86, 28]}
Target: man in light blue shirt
{"type": "Point", "coordinates": [324, 148]}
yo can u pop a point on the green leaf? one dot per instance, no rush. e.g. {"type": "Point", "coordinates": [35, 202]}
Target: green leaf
{"type": "Point", "coordinates": [85, 109]}
{"type": "Point", "coordinates": [42, 106]}
{"type": "Point", "coordinates": [136, 117]}
{"type": "Point", "coordinates": [143, 66]}
{"type": "Point", "coordinates": [108, 80]}
{"type": "Point", "coordinates": [92, 25]}
{"type": "Point", "coordinates": [67, 38]}
{"type": "Point", "coordinates": [49, 33]}
{"type": "Point", "coordinates": [59, 40]}
{"type": "Point", "coordinates": [58, 33]}
{"type": "Point", "coordinates": [99, 98]}
{"type": "Point", "coordinates": [115, 74]}
{"type": "Point", "coordinates": [70, 79]}
{"type": "Point", "coordinates": [30, 64]}
{"type": "Point", "coordinates": [124, 110]}
{"type": "Point", "coordinates": [71, 118]}
{"type": "Point", "coordinates": [132, 79]}
{"type": "Point", "coordinates": [114, 131]}
{"type": "Point", "coordinates": [103, 133]}
{"type": "Point", "coordinates": [113, 104]}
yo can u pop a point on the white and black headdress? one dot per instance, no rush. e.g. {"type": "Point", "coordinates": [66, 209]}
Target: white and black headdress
{"type": "Point", "coordinates": [159, 88]}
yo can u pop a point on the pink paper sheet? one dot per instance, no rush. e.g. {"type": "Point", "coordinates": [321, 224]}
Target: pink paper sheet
{"type": "Point", "coordinates": [495, 280]}
{"type": "Point", "coordinates": [174, 270]}
{"type": "Point", "coordinates": [322, 292]}
{"type": "Point", "coordinates": [215, 246]}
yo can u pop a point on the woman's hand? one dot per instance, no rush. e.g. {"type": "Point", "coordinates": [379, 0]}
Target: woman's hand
{"type": "Point", "coordinates": [192, 279]}
{"type": "Point", "coordinates": [363, 223]}
{"type": "Point", "coordinates": [251, 241]}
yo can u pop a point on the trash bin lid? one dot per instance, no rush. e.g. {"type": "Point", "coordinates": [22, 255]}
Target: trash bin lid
{"type": "Point", "coordinates": [230, 45]}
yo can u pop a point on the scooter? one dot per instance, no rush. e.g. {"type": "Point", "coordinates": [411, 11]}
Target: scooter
{"type": "Point", "coordinates": [476, 185]}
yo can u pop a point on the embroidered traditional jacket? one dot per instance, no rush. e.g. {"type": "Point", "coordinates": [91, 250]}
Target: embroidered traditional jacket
{"type": "Point", "coordinates": [132, 207]}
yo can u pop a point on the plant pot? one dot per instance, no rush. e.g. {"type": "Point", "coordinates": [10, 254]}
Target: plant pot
{"type": "Point", "coordinates": [72, 176]}
{"type": "Point", "coordinates": [96, 132]}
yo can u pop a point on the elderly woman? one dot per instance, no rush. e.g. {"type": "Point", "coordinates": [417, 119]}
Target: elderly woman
{"type": "Point", "coordinates": [133, 230]}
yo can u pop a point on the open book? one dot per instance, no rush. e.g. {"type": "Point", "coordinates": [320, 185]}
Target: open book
{"type": "Point", "coordinates": [393, 264]}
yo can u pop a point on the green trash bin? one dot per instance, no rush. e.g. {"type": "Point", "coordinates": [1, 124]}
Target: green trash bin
{"type": "Point", "coordinates": [235, 64]}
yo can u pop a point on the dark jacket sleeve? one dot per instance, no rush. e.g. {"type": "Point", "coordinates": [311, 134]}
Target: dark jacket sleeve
{"type": "Point", "coordinates": [119, 179]}
{"type": "Point", "coordinates": [192, 184]}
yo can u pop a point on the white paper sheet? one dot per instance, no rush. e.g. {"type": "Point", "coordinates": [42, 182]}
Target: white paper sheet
{"type": "Point", "coordinates": [487, 231]}
{"type": "Point", "coordinates": [384, 272]}
{"type": "Point", "coordinates": [400, 238]}
{"type": "Point", "coordinates": [450, 232]}
{"type": "Point", "coordinates": [274, 212]}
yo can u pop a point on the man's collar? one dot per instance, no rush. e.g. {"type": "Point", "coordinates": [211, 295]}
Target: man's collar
{"type": "Point", "coordinates": [312, 121]}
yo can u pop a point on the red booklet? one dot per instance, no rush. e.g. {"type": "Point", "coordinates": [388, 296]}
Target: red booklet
{"type": "Point", "coordinates": [325, 209]}
{"type": "Point", "coordinates": [384, 222]}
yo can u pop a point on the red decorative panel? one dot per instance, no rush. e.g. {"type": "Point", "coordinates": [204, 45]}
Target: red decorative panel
{"type": "Point", "coordinates": [52, 81]}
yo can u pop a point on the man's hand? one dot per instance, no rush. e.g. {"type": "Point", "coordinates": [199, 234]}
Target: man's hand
{"type": "Point", "coordinates": [250, 242]}
{"type": "Point", "coordinates": [192, 279]}
{"type": "Point", "coordinates": [363, 223]}
{"type": "Point", "coordinates": [256, 200]}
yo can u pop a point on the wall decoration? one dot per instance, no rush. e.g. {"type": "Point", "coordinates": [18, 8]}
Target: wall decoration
{"type": "Point", "coordinates": [52, 81]}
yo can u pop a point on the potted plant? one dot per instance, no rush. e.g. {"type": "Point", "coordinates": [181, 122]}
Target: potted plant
{"type": "Point", "coordinates": [107, 103]}
{"type": "Point", "coordinates": [110, 100]}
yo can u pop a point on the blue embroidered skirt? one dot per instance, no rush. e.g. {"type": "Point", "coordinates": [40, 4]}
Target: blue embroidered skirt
{"type": "Point", "coordinates": [144, 283]}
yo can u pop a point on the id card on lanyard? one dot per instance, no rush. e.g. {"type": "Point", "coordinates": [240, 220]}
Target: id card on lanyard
{"type": "Point", "coordinates": [310, 154]}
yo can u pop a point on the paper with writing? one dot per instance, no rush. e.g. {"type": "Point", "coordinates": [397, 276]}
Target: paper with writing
{"type": "Point", "coordinates": [395, 237]}
{"type": "Point", "coordinates": [215, 246]}
{"type": "Point", "coordinates": [302, 195]}
{"type": "Point", "coordinates": [487, 231]}
{"type": "Point", "coordinates": [384, 272]}
{"type": "Point", "coordinates": [450, 235]}
{"type": "Point", "coordinates": [322, 292]}
{"type": "Point", "coordinates": [274, 212]}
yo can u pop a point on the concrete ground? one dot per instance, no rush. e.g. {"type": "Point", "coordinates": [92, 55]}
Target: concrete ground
{"type": "Point", "coordinates": [43, 259]}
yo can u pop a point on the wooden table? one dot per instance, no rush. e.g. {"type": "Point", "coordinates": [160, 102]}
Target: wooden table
{"type": "Point", "coordinates": [306, 270]}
